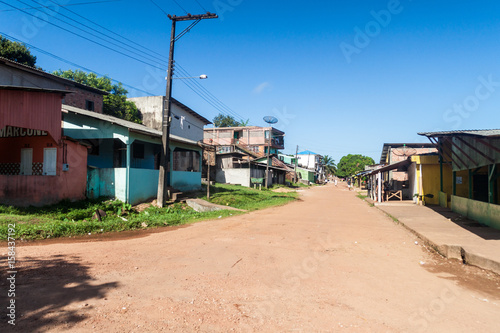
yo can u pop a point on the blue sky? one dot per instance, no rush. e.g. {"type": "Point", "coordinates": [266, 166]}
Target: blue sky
{"type": "Point", "coordinates": [341, 76]}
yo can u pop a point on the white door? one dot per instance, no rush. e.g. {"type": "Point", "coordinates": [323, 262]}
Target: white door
{"type": "Point", "coordinates": [49, 161]}
{"type": "Point", "coordinates": [26, 161]}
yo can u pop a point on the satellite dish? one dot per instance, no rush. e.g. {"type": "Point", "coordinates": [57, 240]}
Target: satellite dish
{"type": "Point", "coordinates": [270, 119]}
{"type": "Point", "coordinates": [404, 151]}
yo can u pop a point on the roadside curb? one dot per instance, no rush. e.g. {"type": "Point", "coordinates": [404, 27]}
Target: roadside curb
{"type": "Point", "coordinates": [450, 251]}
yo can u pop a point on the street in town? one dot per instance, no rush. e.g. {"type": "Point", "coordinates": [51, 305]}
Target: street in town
{"type": "Point", "coordinates": [328, 262]}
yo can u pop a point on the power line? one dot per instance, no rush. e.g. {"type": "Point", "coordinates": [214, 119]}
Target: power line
{"type": "Point", "coordinates": [76, 34]}
{"type": "Point", "coordinates": [114, 33]}
{"type": "Point", "coordinates": [118, 45]}
{"type": "Point", "coordinates": [154, 3]}
{"type": "Point", "coordinates": [200, 5]}
{"type": "Point", "coordinates": [180, 6]}
{"type": "Point", "coordinates": [72, 63]}
{"type": "Point", "coordinates": [209, 95]}
{"type": "Point", "coordinates": [71, 4]}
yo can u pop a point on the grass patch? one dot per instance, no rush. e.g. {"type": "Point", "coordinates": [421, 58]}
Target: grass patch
{"type": "Point", "coordinates": [363, 197]}
{"type": "Point", "coordinates": [75, 218]}
{"type": "Point", "coordinates": [246, 198]}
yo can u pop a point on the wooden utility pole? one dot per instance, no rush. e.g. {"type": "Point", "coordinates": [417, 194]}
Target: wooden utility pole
{"type": "Point", "coordinates": [296, 162]}
{"type": "Point", "coordinates": [268, 153]}
{"type": "Point", "coordinates": [163, 179]}
{"type": "Point", "coordinates": [208, 176]}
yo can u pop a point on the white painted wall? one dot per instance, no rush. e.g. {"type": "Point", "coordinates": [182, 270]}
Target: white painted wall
{"type": "Point", "coordinates": [233, 176]}
{"type": "Point", "coordinates": [183, 123]}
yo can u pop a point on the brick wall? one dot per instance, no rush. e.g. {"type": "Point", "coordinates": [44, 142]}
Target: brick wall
{"type": "Point", "coordinates": [80, 96]}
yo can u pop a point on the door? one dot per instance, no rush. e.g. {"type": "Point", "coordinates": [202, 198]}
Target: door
{"type": "Point", "coordinates": [49, 161]}
{"type": "Point", "coordinates": [480, 188]}
{"type": "Point", "coordinates": [26, 161]}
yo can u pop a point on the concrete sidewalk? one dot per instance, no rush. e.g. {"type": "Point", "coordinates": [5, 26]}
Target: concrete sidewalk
{"type": "Point", "coordinates": [451, 234]}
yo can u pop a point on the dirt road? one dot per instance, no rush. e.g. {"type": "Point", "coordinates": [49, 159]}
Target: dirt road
{"type": "Point", "coordinates": [328, 263]}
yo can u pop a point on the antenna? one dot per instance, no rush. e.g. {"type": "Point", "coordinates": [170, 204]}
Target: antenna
{"type": "Point", "coordinates": [269, 120]}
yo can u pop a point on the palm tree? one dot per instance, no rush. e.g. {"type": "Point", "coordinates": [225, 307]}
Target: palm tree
{"type": "Point", "coordinates": [329, 163]}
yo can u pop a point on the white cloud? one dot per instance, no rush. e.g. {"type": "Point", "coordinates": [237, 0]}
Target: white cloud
{"type": "Point", "coordinates": [261, 87]}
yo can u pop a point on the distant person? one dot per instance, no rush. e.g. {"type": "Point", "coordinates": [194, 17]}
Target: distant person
{"type": "Point", "coordinates": [349, 183]}
{"type": "Point", "coordinates": [335, 181]}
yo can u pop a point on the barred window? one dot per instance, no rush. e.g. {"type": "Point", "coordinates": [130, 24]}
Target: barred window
{"type": "Point", "coordinates": [186, 160]}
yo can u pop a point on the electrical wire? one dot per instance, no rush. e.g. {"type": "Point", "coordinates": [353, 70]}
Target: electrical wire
{"type": "Point", "coordinates": [154, 3]}
{"type": "Point", "coordinates": [180, 6]}
{"type": "Point", "coordinates": [86, 38]}
{"type": "Point", "coordinates": [209, 95]}
{"type": "Point", "coordinates": [70, 4]}
{"type": "Point", "coordinates": [201, 6]}
{"type": "Point", "coordinates": [114, 33]}
{"type": "Point", "coordinates": [73, 64]}
{"type": "Point", "coordinates": [141, 54]}
{"type": "Point", "coordinates": [185, 31]}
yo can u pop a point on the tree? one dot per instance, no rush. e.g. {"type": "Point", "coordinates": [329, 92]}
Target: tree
{"type": "Point", "coordinates": [17, 52]}
{"type": "Point", "coordinates": [115, 104]}
{"type": "Point", "coordinates": [351, 164]}
{"type": "Point", "coordinates": [225, 121]}
{"type": "Point", "coordinates": [329, 164]}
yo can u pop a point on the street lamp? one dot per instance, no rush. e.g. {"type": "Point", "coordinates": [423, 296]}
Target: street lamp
{"type": "Point", "coordinates": [201, 77]}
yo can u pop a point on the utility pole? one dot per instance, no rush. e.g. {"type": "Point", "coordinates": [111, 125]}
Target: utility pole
{"type": "Point", "coordinates": [296, 162]}
{"type": "Point", "coordinates": [268, 153]}
{"type": "Point", "coordinates": [163, 179]}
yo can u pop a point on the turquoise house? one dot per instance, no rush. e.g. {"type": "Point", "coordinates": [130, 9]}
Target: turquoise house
{"type": "Point", "coordinates": [124, 157]}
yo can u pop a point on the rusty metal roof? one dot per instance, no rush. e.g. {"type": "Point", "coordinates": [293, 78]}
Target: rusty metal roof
{"type": "Point", "coordinates": [36, 71]}
{"type": "Point", "coordinates": [486, 132]}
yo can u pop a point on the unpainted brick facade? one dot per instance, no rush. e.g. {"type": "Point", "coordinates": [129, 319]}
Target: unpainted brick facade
{"type": "Point", "coordinates": [81, 98]}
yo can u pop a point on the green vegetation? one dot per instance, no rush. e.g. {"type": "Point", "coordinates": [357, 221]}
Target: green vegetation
{"type": "Point", "coordinates": [17, 52]}
{"type": "Point", "coordinates": [75, 218]}
{"type": "Point", "coordinates": [247, 198]}
{"type": "Point", "coordinates": [329, 164]}
{"type": "Point", "coordinates": [115, 104]}
{"type": "Point", "coordinates": [352, 164]}
{"type": "Point", "coordinates": [222, 120]}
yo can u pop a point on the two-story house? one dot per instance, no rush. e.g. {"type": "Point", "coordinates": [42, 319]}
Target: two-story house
{"type": "Point", "coordinates": [39, 165]}
{"type": "Point", "coordinates": [249, 139]}
{"type": "Point", "coordinates": [311, 166]}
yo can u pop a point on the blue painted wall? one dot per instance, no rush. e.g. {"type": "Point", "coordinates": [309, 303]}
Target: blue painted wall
{"type": "Point", "coordinates": [143, 185]}
{"type": "Point", "coordinates": [105, 157]}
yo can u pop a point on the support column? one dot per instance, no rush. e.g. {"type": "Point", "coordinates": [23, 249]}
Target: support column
{"type": "Point", "coordinates": [454, 185]}
{"type": "Point", "coordinates": [127, 186]}
{"type": "Point", "coordinates": [491, 182]}
{"type": "Point", "coordinates": [441, 173]}
{"type": "Point", "coordinates": [379, 194]}
{"type": "Point", "coordinates": [470, 183]}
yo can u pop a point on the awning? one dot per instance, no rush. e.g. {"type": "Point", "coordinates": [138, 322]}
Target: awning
{"type": "Point", "coordinates": [391, 166]}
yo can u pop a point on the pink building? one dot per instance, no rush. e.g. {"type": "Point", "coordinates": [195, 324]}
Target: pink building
{"type": "Point", "coordinates": [38, 165]}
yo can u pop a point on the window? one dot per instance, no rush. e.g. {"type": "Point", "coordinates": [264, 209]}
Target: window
{"type": "Point", "coordinates": [138, 150]}
{"type": "Point", "coordinates": [27, 161]}
{"type": "Point", "coordinates": [186, 160]}
{"type": "Point", "coordinates": [89, 105]}
{"type": "Point", "coordinates": [224, 149]}
{"type": "Point", "coordinates": [49, 161]}
{"type": "Point", "coordinates": [94, 146]}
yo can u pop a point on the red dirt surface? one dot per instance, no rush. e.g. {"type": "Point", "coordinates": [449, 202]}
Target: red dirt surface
{"type": "Point", "coordinates": [326, 263]}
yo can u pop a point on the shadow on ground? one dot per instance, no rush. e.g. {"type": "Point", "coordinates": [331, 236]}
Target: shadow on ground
{"type": "Point", "coordinates": [475, 227]}
{"type": "Point", "coordinates": [49, 292]}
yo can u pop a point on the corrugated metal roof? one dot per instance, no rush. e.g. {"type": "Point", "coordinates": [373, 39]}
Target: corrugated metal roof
{"type": "Point", "coordinates": [387, 146]}
{"type": "Point", "coordinates": [307, 152]}
{"type": "Point", "coordinates": [125, 123]}
{"type": "Point", "coordinates": [487, 132]}
{"type": "Point", "coordinates": [37, 71]}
